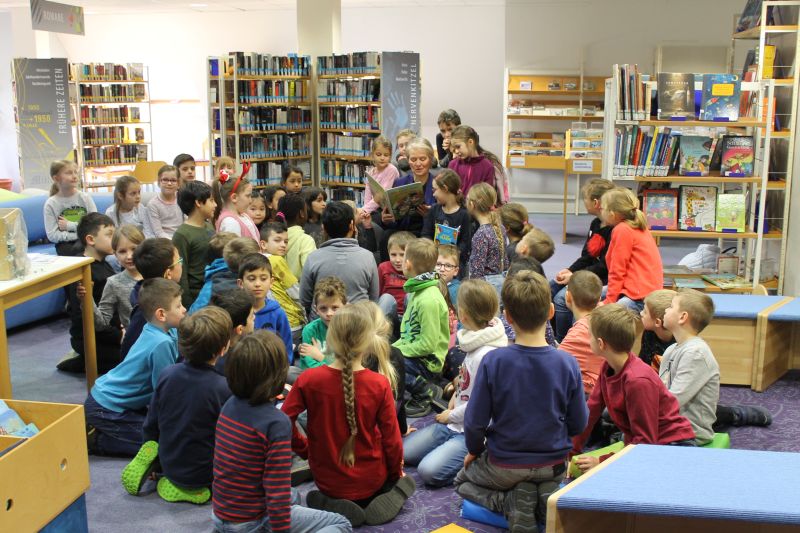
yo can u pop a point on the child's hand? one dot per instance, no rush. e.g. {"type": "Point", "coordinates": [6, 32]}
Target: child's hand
{"type": "Point", "coordinates": [409, 431]}
{"type": "Point", "coordinates": [81, 290]}
{"type": "Point", "coordinates": [423, 209]}
{"type": "Point", "coordinates": [387, 217]}
{"type": "Point", "coordinates": [587, 463]}
{"type": "Point", "coordinates": [312, 350]}
{"type": "Point", "coordinates": [443, 417]}
{"type": "Point", "coordinates": [468, 459]}
{"type": "Point", "coordinates": [446, 143]}
{"type": "Point", "coordinates": [366, 220]}
{"type": "Point", "coordinates": [563, 276]}
{"type": "Point", "coordinates": [62, 223]}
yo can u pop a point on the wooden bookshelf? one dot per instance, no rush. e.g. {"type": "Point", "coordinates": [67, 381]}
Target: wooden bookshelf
{"type": "Point", "coordinates": [348, 103]}
{"type": "Point", "coordinates": [713, 178]}
{"type": "Point", "coordinates": [348, 130]}
{"type": "Point", "coordinates": [265, 132]}
{"type": "Point", "coordinates": [686, 234]}
{"type": "Point", "coordinates": [744, 122]}
{"type": "Point", "coordinates": [346, 157]}
{"type": "Point", "coordinates": [574, 118]}
{"type": "Point", "coordinates": [345, 76]}
{"type": "Point", "coordinates": [342, 184]}
{"type": "Point", "coordinates": [755, 32]}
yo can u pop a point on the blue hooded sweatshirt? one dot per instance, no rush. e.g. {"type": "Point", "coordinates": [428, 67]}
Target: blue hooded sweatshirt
{"type": "Point", "coordinates": [272, 318]}
{"type": "Point", "coordinates": [218, 278]}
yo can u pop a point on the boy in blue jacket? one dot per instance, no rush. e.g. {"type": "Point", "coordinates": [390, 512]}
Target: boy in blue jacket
{"type": "Point", "coordinates": [255, 276]}
{"type": "Point", "coordinates": [221, 274]}
{"type": "Point", "coordinates": [532, 394]}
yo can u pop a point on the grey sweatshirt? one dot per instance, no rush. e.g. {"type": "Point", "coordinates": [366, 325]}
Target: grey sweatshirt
{"type": "Point", "coordinates": [116, 297]}
{"type": "Point", "coordinates": [691, 374]}
{"type": "Point", "coordinates": [346, 260]}
{"type": "Point", "coordinates": [71, 208]}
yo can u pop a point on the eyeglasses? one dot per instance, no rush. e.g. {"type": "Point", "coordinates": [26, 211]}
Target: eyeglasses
{"type": "Point", "coordinates": [445, 266]}
{"type": "Point", "coordinates": [176, 263]}
{"type": "Point", "coordinates": [168, 180]}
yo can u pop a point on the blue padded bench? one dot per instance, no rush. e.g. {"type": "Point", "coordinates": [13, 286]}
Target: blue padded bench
{"type": "Point", "coordinates": [659, 489]}
{"type": "Point", "coordinates": [747, 353]}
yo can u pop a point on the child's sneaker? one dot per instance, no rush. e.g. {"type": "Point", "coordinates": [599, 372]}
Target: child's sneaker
{"type": "Point", "coordinates": [521, 508]}
{"type": "Point", "coordinates": [350, 510]}
{"type": "Point", "coordinates": [384, 508]}
{"type": "Point", "coordinates": [172, 493]}
{"type": "Point", "coordinates": [418, 407]}
{"type": "Point", "coordinates": [72, 362]}
{"type": "Point", "coordinates": [134, 474]}
{"type": "Point", "coordinates": [745, 415]}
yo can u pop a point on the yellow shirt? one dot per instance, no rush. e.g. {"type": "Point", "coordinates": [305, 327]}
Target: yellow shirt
{"type": "Point", "coordinates": [300, 246]}
{"type": "Point", "coordinates": [283, 283]}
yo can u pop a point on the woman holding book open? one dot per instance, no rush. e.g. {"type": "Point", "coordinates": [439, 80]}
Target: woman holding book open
{"type": "Point", "coordinates": [407, 213]}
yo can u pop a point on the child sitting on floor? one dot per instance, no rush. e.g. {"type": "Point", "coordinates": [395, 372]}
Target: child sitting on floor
{"type": "Point", "coordinates": [116, 299]}
{"type": "Point", "coordinates": [163, 214]}
{"type": "Point", "coordinates": [222, 273]}
{"type": "Point", "coordinates": [292, 211]}
{"type": "Point", "coordinates": [391, 278]}
{"type": "Point", "coordinates": [191, 238]}
{"type": "Point", "coordinates": [285, 287]}
{"type": "Point", "coordinates": [329, 297]}
{"type": "Point", "coordinates": [655, 338]}
{"type": "Point", "coordinates": [179, 428]}
{"type": "Point", "coordinates": [537, 244]}
{"type": "Point", "coordinates": [447, 265]}
{"type": "Point", "coordinates": [238, 303]}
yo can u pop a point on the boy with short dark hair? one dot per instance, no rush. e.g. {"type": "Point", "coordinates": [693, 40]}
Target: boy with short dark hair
{"type": "Point", "coordinates": [115, 405]}
{"type": "Point", "coordinates": [329, 296]}
{"type": "Point", "coordinates": [447, 121]}
{"type": "Point", "coordinates": [179, 428]}
{"type": "Point", "coordinates": [425, 329]}
{"type": "Point", "coordinates": [222, 275]}
{"type": "Point", "coordinates": [532, 395]}
{"type": "Point", "coordinates": [191, 237]}
{"type": "Point", "coordinates": [238, 303]}
{"type": "Point", "coordinates": [655, 338]}
{"type": "Point", "coordinates": [95, 232]}
{"type": "Point", "coordinates": [391, 278]}
{"type": "Point", "coordinates": [255, 276]}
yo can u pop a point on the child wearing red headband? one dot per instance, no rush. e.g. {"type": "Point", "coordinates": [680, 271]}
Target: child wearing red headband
{"type": "Point", "coordinates": [232, 194]}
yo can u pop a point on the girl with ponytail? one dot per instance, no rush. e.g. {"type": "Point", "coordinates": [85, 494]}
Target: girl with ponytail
{"type": "Point", "coordinates": [633, 259]}
{"type": "Point", "coordinates": [489, 243]}
{"type": "Point", "coordinates": [354, 446]}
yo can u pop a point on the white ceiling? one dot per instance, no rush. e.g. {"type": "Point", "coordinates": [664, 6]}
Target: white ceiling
{"type": "Point", "coordinates": [96, 7]}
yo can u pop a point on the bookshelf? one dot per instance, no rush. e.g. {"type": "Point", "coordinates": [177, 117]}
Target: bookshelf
{"type": "Point", "coordinates": [583, 156]}
{"type": "Point", "coordinates": [776, 28]}
{"type": "Point", "coordinates": [112, 125]}
{"type": "Point", "coordinates": [260, 113]}
{"type": "Point", "coordinates": [633, 113]}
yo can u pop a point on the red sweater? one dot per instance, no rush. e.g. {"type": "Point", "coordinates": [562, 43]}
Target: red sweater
{"type": "Point", "coordinates": [634, 264]}
{"type": "Point", "coordinates": [639, 404]}
{"type": "Point", "coordinates": [391, 281]}
{"type": "Point", "coordinates": [379, 446]}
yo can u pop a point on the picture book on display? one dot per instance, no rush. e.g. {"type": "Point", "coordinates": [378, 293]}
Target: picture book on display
{"type": "Point", "coordinates": [727, 281]}
{"type": "Point", "coordinates": [661, 209]}
{"type": "Point", "coordinates": [12, 424]}
{"type": "Point", "coordinates": [698, 208]}
{"type": "Point", "coordinates": [675, 95]}
{"type": "Point", "coordinates": [751, 16]}
{"type": "Point", "coordinates": [731, 212]}
{"type": "Point", "coordinates": [689, 283]}
{"type": "Point", "coordinates": [696, 154]}
{"type": "Point", "coordinates": [400, 201]}
{"type": "Point", "coordinates": [444, 234]}
{"type": "Point", "coordinates": [737, 156]}
{"type": "Point", "coordinates": [721, 94]}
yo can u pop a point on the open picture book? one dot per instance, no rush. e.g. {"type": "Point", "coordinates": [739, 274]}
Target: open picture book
{"type": "Point", "coordinates": [400, 201]}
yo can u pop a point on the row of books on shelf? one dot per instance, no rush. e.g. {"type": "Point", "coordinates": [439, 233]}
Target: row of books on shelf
{"type": "Point", "coordinates": [556, 85]}
{"type": "Point", "coordinates": [255, 64]}
{"type": "Point", "coordinates": [362, 118]}
{"type": "Point", "coordinates": [354, 63]}
{"type": "Point", "coordinates": [111, 134]}
{"type": "Point", "coordinates": [114, 155]}
{"type": "Point", "coordinates": [114, 92]}
{"type": "Point", "coordinates": [344, 171]}
{"type": "Point", "coordinates": [347, 145]}
{"type": "Point", "coordinates": [660, 152]}
{"type": "Point", "coordinates": [555, 152]}
{"type": "Point", "coordinates": [279, 145]}
{"type": "Point", "coordinates": [261, 91]}
{"type": "Point", "coordinates": [266, 118]}
{"type": "Point", "coordinates": [528, 108]}
{"type": "Point", "coordinates": [533, 138]}
{"type": "Point", "coordinates": [366, 90]}
{"type": "Point", "coordinates": [339, 194]}
{"type": "Point", "coordinates": [695, 208]}
{"type": "Point", "coordinates": [106, 71]}
{"type": "Point", "coordinates": [265, 173]}
{"type": "Point", "coordinates": [101, 115]}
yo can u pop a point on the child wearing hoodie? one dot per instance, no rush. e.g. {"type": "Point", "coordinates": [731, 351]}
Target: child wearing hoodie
{"type": "Point", "coordinates": [471, 162]}
{"type": "Point", "coordinates": [438, 450]}
{"type": "Point", "coordinates": [222, 273]}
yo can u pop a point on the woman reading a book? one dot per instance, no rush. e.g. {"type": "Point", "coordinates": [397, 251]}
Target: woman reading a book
{"type": "Point", "coordinates": [420, 159]}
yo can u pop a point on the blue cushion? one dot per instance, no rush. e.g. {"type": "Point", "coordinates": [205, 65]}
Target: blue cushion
{"type": "Point", "coordinates": [787, 313]}
{"type": "Point", "coordinates": [741, 305]}
{"type": "Point", "coordinates": [103, 201]}
{"type": "Point", "coordinates": [478, 513]}
{"type": "Point", "coordinates": [33, 211]}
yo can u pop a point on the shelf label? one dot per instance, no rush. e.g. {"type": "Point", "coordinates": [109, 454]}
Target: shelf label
{"type": "Point", "coordinates": [517, 161]}
{"type": "Point", "coordinates": [60, 18]}
{"type": "Point", "coordinates": [582, 166]}
{"type": "Point", "coordinates": [525, 86]}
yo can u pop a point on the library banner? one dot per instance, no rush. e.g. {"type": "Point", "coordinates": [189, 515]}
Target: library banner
{"type": "Point", "coordinates": [401, 93]}
{"type": "Point", "coordinates": [44, 124]}
{"type": "Point", "coordinates": [59, 18]}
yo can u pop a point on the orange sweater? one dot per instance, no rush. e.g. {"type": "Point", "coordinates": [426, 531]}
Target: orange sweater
{"type": "Point", "coordinates": [576, 343]}
{"type": "Point", "coordinates": [634, 264]}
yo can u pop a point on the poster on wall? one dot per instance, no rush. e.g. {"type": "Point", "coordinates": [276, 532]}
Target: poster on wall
{"type": "Point", "coordinates": [60, 18]}
{"type": "Point", "coordinates": [44, 120]}
{"type": "Point", "coordinates": [400, 88]}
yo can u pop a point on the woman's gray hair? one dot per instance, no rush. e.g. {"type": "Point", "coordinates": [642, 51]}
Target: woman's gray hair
{"type": "Point", "coordinates": [420, 143]}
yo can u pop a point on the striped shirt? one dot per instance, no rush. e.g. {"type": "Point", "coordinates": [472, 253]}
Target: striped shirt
{"type": "Point", "coordinates": [252, 464]}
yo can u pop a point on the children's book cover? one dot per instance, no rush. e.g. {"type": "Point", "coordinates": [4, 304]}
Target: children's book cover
{"type": "Point", "coordinates": [727, 281]}
{"type": "Point", "coordinates": [695, 155]}
{"type": "Point", "coordinates": [689, 283]}
{"type": "Point", "coordinates": [698, 208]}
{"type": "Point", "coordinates": [737, 156]}
{"type": "Point", "coordinates": [661, 208]}
{"type": "Point", "coordinates": [675, 95]}
{"type": "Point", "coordinates": [721, 94]}
{"type": "Point", "coordinates": [444, 234]}
{"type": "Point", "coordinates": [399, 200]}
{"type": "Point", "coordinates": [731, 212]}
{"type": "Point", "coordinates": [751, 15]}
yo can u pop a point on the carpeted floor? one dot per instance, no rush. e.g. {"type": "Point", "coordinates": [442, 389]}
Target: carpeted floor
{"type": "Point", "coordinates": [35, 350]}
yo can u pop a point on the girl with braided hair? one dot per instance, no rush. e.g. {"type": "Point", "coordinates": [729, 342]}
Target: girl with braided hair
{"type": "Point", "coordinates": [489, 242]}
{"type": "Point", "coordinates": [354, 447]}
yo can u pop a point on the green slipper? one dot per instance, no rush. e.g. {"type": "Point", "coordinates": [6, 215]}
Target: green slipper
{"type": "Point", "coordinates": [136, 472]}
{"type": "Point", "coordinates": [172, 493]}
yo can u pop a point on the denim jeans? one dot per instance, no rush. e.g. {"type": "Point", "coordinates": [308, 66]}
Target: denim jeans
{"type": "Point", "coordinates": [388, 306]}
{"type": "Point", "coordinates": [634, 305]}
{"type": "Point", "coordinates": [415, 367]}
{"type": "Point", "coordinates": [437, 451]}
{"type": "Point", "coordinates": [304, 520]}
{"type": "Point", "coordinates": [117, 433]}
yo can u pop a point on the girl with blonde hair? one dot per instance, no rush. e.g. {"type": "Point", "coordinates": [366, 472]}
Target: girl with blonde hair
{"type": "Point", "coordinates": [489, 243]}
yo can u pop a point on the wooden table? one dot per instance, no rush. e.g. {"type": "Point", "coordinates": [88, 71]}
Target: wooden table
{"type": "Point", "coordinates": [45, 278]}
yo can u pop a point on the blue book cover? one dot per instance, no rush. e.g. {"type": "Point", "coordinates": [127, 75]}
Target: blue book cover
{"type": "Point", "coordinates": [446, 234]}
{"type": "Point", "coordinates": [695, 155]}
{"type": "Point", "coordinates": [720, 97]}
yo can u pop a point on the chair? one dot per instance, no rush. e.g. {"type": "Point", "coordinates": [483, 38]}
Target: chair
{"type": "Point", "coordinates": [147, 173]}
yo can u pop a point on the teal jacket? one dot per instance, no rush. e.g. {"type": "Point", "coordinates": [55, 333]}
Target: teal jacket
{"type": "Point", "coordinates": [425, 329]}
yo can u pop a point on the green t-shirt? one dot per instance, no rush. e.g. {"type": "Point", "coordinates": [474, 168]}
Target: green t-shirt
{"type": "Point", "coordinates": [316, 329]}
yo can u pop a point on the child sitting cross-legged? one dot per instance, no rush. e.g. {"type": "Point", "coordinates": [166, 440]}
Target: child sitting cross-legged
{"type": "Point", "coordinates": [252, 452]}
{"type": "Point", "coordinates": [438, 450]}
{"type": "Point", "coordinates": [354, 445]}
{"type": "Point", "coordinates": [526, 403]}
{"type": "Point", "coordinates": [179, 428]}
{"type": "Point", "coordinates": [638, 402]}
{"type": "Point", "coordinates": [537, 244]}
{"type": "Point", "coordinates": [329, 297]}
{"type": "Point", "coordinates": [115, 405]}
{"type": "Point", "coordinates": [285, 286]}
{"type": "Point", "coordinates": [391, 278]}
{"type": "Point", "coordinates": [238, 303]}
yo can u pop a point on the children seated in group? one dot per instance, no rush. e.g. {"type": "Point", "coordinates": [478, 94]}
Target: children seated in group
{"type": "Point", "coordinates": [257, 210]}
{"type": "Point", "coordinates": [127, 207]}
{"type": "Point", "coordinates": [489, 242]}
{"type": "Point", "coordinates": [315, 199]}
{"type": "Point", "coordinates": [330, 296]}
{"type": "Point", "coordinates": [391, 279]}
{"type": "Point", "coordinates": [438, 450]}
{"type": "Point", "coordinates": [293, 212]}
{"type": "Point", "coordinates": [340, 256]}
{"type": "Point", "coordinates": [192, 237]}
{"type": "Point", "coordinates": [253, 443]}
{"type": "Point", "coordinates": [583, 295]}
{"type": "Point", "coordinates": [115, 406]}
{"type": "Point", "coordinates": [285, 287]}
{"type": "Point", "coordinates": [65, 207]}
{"type": "Point", "coordinates": [186, 167]}
{"type": "Point", "coordinates": [232, 196]}
{"type": "Point", "coordinates": [163, 213]}
{"type": "Point", "coordinates": [222, 275]}
{"type": "Point", "coordinates": [448, 221]}
{"type": "Point", "coordinates": [447, 122]}
{"type": "Point", "coordinates": [447, 265]}
{"type": "Point", "coordinates": [272, 195]}
{"type": "Point", "coordinates": [382, 171]}
{"type": "Point", "coordinates": [354, 446]}
{"type": "Point", "coordinates": [179, 427]}
{"type": "Point", "coordinates": [116, 299]}
{"type": "Point", "coordinates": [255, 276]}
{"type": "Point", "coordinates": [514, 217]}
{"type": "Point", "coordinates": [517, 440]}
{"type": "Point", "coordinates": [537, 244]}
{"type": "Point", "coordinates": [238, 303]}
{"type": "Point", "coordinates": [656, 338]}
{"type": "Point", "coordinates": [425, 328]}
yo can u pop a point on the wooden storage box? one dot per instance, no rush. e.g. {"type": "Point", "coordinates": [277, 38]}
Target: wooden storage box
{"type": "Point", "coordinates": [43, 475]}
{"type": "Point", "coordinates": [13, 242]}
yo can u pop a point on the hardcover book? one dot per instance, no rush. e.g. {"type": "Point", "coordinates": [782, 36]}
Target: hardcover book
{"type": "Point", "coordinates": [698, 208]}
{"type": "Point", "coordinates": [731, 212]}
{"type": "Point", "coordinates": [400, 201]}
{"type": "Point", "coordinates": [751, 16]}
{"type": "Point", "coordinates": [721, 94]}
{"type": "Point", "coordinates": [661, 209]}
{"type": "Point", "coordinates": [695, 155]}
{"type": "Point", "coordinates": [737, 156]}
{"type": "Point", "coordinates": [675, 95]}
{"type": "Point", "coordinates": [689, 283]}
{"type": "Point", "coordinates": [444, 234]}
{"type": "Point", "coordinates": [728, 281]}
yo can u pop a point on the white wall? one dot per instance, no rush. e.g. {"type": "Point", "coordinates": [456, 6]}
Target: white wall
{"type": "Point", "coordinates": [9, 162]}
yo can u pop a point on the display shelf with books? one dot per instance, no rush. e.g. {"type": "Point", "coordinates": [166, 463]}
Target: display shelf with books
{"type": "Point", "coordinates": [712, 155]}
{"type": "Point", "coordinates": [583, 156]}
{"type": "Point", "coordinates": [111, 109]}
{"type": "Point", "coordinates": [260, 112]}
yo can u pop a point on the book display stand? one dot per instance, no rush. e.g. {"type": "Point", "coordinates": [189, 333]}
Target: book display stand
{"type": "Point", "coordinates": [582, 157]}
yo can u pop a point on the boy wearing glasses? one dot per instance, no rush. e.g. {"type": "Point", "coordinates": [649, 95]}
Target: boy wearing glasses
{"type": "Point", "coordinates": [447, 266]}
